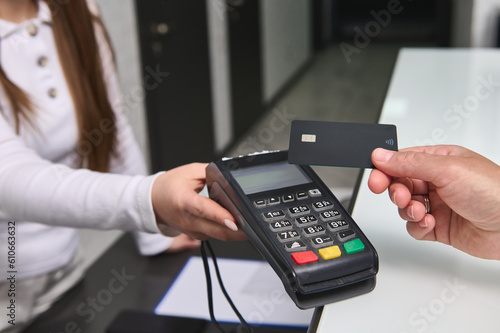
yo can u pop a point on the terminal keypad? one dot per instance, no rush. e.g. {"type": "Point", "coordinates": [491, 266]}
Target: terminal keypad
{"type": "Point", "coordinates": [308, 226]}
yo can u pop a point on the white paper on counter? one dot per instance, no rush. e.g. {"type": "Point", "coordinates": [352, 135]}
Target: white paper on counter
{"type": "Point", "coordinates": [253, 286]}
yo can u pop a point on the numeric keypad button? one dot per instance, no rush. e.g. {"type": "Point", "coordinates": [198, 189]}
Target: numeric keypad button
{"type": "Point", "coordinates": [322, 205]}
{"type": "Point", "coordinates": [287, 236]}
{"type": "Point", "coordinates": [307, 220]}
{"type": "Point", "coordinates": [273, 215]}
{"type": "Point", "coordinates": [321, 241]}
{"type": "Point", "coordinates": [337, 225]}
{"type": "Point", "coordinates": [298, 210]}
{"type": "Point", "coordinates": [280, 225]}
{"type": "Point", "coordinates": [329, 215]}
{"type": "Point", "coordinates": [314, 230]}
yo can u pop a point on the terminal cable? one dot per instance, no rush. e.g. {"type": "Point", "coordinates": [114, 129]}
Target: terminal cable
{"type": "Point", "coordinates": [206, 244]}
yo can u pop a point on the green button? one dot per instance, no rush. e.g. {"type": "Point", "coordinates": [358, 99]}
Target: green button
{"type": "Point", "coordinates": [356, 245]}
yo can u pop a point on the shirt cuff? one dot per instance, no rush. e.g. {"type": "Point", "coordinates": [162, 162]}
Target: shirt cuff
{"type": "Point", "coordinates": [151, 244]}
{"type": "Point", "coordinates": [145, 203]}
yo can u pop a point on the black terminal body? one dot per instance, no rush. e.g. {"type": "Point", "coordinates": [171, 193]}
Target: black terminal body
{"type": "Point", "coordinates": [297, 224]}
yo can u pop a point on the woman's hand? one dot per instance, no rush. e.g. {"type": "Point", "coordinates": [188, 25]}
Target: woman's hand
{"type": "Point", "coordinates": [178, 205]}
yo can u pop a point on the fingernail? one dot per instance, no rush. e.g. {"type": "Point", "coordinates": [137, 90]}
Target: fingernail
{"type": "Point", "coordinates": [423, 224]}
{"type": "Point", "coordinates": [410, 212]}
{"type": "Point", "coordinates": [231, 225]}
{"type": "Point", "coordinates": [382, 155]}
{"type": "Point", "coordinates": [394, 198]}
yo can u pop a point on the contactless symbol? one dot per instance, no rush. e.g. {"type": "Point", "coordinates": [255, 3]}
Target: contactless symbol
{"type": "Point", "coordinates": [390, 142]}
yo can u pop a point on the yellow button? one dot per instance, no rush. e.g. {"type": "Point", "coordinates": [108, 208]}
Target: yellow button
{"type": "Point", "coordinates": [331, 252]}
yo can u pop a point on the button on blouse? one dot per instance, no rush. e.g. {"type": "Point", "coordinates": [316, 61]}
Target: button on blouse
{"type": "Point", "coordinates": [42, 61]}
{"type": "Point", "coordinates": [52, 92]}
{"type": "Point", "coordinates": [32, 29]}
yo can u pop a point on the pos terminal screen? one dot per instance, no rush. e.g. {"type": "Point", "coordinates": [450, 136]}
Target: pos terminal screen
{"type": "Point", "coordinates": [268, 177]}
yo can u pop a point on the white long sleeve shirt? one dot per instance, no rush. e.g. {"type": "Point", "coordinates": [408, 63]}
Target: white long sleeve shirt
{"type": "Point", "coordinates": [40, 189]}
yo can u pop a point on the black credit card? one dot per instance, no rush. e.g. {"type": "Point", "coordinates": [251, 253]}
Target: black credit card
{"type": "Point", "coordinates": [338, 143]}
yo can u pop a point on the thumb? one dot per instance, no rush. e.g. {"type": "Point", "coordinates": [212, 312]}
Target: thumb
{"type": "Point", "coordinates": [412, 164]}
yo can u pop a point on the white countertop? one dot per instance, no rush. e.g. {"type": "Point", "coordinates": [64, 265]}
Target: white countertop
{"type": "Point", "coordinates": [436, 96]}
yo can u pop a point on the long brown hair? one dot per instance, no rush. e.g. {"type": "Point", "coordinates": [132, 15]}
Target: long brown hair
{"type": "Point", "coordinates": [73, 27]}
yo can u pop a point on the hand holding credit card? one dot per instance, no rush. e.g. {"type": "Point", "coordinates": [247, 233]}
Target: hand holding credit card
{"type": "Point", "coordinates": [338, 143]}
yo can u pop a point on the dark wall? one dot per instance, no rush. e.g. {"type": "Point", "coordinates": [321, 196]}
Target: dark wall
{"type": "Point", "coordinates": [174, 39]}
{"type": "Point", "coordinates": [425, 21]}
{"type": "Point", "coordinates": [175, 63]}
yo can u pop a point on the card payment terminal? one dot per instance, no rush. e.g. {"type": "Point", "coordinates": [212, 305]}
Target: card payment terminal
{"type": "Point", "coordinates": [298, 226]}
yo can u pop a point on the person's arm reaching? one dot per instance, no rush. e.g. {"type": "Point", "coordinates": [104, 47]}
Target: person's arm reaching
{"type": "Point", "coordinates": [463, 188]}
{"type": "Point", "coordinates": [34, 189]}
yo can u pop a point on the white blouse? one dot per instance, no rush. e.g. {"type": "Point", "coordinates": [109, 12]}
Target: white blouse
{"type": "Point", "coordinates": [40, 188]}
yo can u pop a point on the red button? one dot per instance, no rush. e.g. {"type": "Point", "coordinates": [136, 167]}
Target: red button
{"type": "Point", "coordinates": [303, 258]}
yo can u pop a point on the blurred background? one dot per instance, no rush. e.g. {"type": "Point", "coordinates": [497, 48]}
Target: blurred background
{"type": "Point", "coordinates": [199, 78]}
{"type": "Point", "coordinates": [212, 78]}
